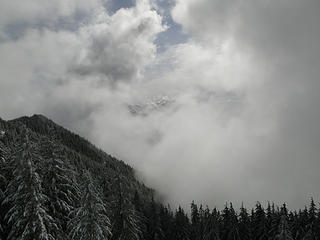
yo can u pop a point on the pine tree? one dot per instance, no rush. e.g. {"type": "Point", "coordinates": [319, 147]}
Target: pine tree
{"type": "Point", "coordinates": [27, 215]}
{"type": "Point", "coordinates": [284, 231]}
{"type": "Point", "coordinates": [195, 222]}
{"type": "Point", "coordinates": [312, 221]}
{"type": "Point", "coordinates": [244, 224]}
{"type": "Point", "coordinates": [61, 187]}
{"type": "Point", "coordinates": [181, 226]}
{"type": "Point", "coordinates": [212, 231]}
{"type": "Point", "coordinates": [166, 222]}
{"type": "Point", "coordinates": [90, 220]}
{"type": "Point", "coordinates": [3, 183]}
{"type": "Point", "coordinates": [297, 228]}
{"type": "Point", "coordinates": [3, 162]}
{"type": "Point", "coordinates": [230, 223]}
{"type": "Point", "coordinates": [260, 230]}
{"type": "Point", "coordinates": [233, 227]}
{"type": "Point", "coordinates": [127, 222]}
{"type": "Point", "coordinates": [154, 225]}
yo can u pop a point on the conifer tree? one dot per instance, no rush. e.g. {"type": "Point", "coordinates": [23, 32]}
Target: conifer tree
{"type": "Point", "coordinates": [284, 231]}
{"type": "Point", "coordinates": [244, 224]}
{"type": "Point", "coordinates": [311, 226]}
{"type": "Point", "coordinates": [181, 226]}
{"type": "Point", "coordinates": [233, 225]}
{"type": "Point", "coordinates": [260, 230]}
{"type": "Point", "coordinates": [154, 225]}
{"type": "Point", "coordinates": [27, 214]}
{"type": "Point", "coordinates": [195, 222]}
{"type": "Point", "coordinates": [212, 231]}
{"type": "Point", "coordinates": [297, 228]}
{"type": "Point", "coordinates": [166, 222]}
{"type": "Point", "coordinates": [61, 187]}
{"type": "Point", "coordinates": [127, 223]}
{"type": "Point", "coordinates": [230, 223]}
{"type": "Point", "coordinates": [90, 220]}
{"type": "Point", "coordinates": [3, 182]}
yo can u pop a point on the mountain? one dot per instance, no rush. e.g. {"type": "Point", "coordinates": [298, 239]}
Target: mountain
{"type": "Point", "coordinates": [156, 103]}
{"type": "Point", "coordinates": [38, 156]}
{"type": "Point", "coordinates": [89, 156]}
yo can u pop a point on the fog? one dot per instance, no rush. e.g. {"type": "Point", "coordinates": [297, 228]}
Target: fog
{"type": "Point", "coordinates": [229, 113]}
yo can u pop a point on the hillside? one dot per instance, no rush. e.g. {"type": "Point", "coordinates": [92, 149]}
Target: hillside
{"type": "Point", "coordinates": [78, 157]}
{"type": "Point", "coordinates": [77, 149]}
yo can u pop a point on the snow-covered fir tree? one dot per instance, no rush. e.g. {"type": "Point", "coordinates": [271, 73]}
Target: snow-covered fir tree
{"type": "Point", "coordinates": [27, 215]}
{"type": "Point", "coordinates": [90, 220]}
{"type": "Point", "coordinates": [3, 182]}
{"type": "Point", "coordinates": [60, 186]}
{"type": "Point", "coordinates": [127, 223]}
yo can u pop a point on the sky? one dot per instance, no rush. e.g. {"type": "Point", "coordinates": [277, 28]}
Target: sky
{"type": "Point", "coordinates": [212, 101]}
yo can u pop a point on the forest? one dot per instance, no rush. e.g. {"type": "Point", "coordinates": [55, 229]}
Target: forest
{"type": "Point", "coordinates": [56, 185]}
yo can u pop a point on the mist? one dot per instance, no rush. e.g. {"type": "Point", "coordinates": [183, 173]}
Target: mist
{"type": "Point", "coordinates": [229, 113]}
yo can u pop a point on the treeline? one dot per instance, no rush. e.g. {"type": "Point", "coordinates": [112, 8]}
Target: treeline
{"type": "Point", "coordinates": [44, 197]}
{"type": "Point", "coordinates": [272, 223]}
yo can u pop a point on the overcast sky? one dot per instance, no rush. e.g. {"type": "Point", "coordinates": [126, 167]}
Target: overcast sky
{"type": "Point", "coordinates": [209, 100]}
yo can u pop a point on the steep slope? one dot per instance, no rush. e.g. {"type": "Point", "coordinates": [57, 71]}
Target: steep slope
{"type": "Point", "coordinates": [54, 184]}
{"type": "Point", "coordinates": [79, 152]}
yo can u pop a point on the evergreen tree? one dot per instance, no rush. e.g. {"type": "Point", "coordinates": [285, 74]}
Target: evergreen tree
{"type": "Point", "coordinates": [166, 222]}
{"type": "Point", "coordinates": [181, 226]}
{"type": "Point", "coordinates": [90, 220]}
{"type": "Point", "coordinates": [195, 222]}
{"type": "Point", "coordinates": [233, 233]}
{"type": "Point", "coordinates": [311, 226]}
{"type": "Point", "coordinates": [27, 215]}
{"type": "Point", "coordinates": [260, 231]}
{"type": "Point", "coordinates": [225, 222]}
{"type": "Point", "coordinates": [284, 231]}
{"type": "Point", "coordinates": [212, 231]}
{"type": "Point", "coordinates": [297, 228]}
{"type": "Point", "coordinates": [138, 204]}
{"type": "Point", "coordinates": [244, 224]}
{"type": "Point", "coordinates": [60, 186]}
{"type": "Point", "coordinates": [3, 183]}
{"type": "Point", "coordinates": [127, 223]}
{"type": "Point", "coordinates": [154, 224]}
{"type": "Point", "coordinates": [230, 223]}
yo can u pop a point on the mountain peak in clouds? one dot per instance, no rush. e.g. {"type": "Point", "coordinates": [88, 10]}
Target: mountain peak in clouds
{"type": "Point", "coordinates": [156, 103]}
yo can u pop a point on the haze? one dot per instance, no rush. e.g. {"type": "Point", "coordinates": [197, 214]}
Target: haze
{"type": "Point", "coordinates": [212, 101]}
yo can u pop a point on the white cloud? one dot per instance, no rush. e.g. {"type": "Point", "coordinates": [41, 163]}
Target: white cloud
{"type": "Point", "coordinates": [244, 92]}
{"type": "Point", "coordinates": [106, 49]}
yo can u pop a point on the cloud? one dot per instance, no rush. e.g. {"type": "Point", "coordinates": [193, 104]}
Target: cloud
{"type": "Point", "coordinates": [121, 45]}
{"type": "Point", "coordinates": [50, 62]}
{"type": "Point", "coordinates": [243, 87]}
{"type": "Point", "coordinates": [243, 123]}
{"type": "Point", "coordinates": [17, 16]}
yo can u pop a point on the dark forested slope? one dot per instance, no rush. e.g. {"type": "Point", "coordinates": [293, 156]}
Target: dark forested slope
{"type": "Point", "coordinates": [62, 170]}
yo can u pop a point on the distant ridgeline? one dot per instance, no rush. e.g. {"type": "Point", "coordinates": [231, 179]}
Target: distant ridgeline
{"type": "Point", "coordinates": [56, 185]}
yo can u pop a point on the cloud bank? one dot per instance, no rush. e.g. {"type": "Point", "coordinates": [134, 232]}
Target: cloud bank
{"type": "Point", "coordinates": [230, 114]}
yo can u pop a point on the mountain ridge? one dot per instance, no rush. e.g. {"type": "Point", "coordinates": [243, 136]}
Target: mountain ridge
{"type": "Point", "coordinates": [45, 127]}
